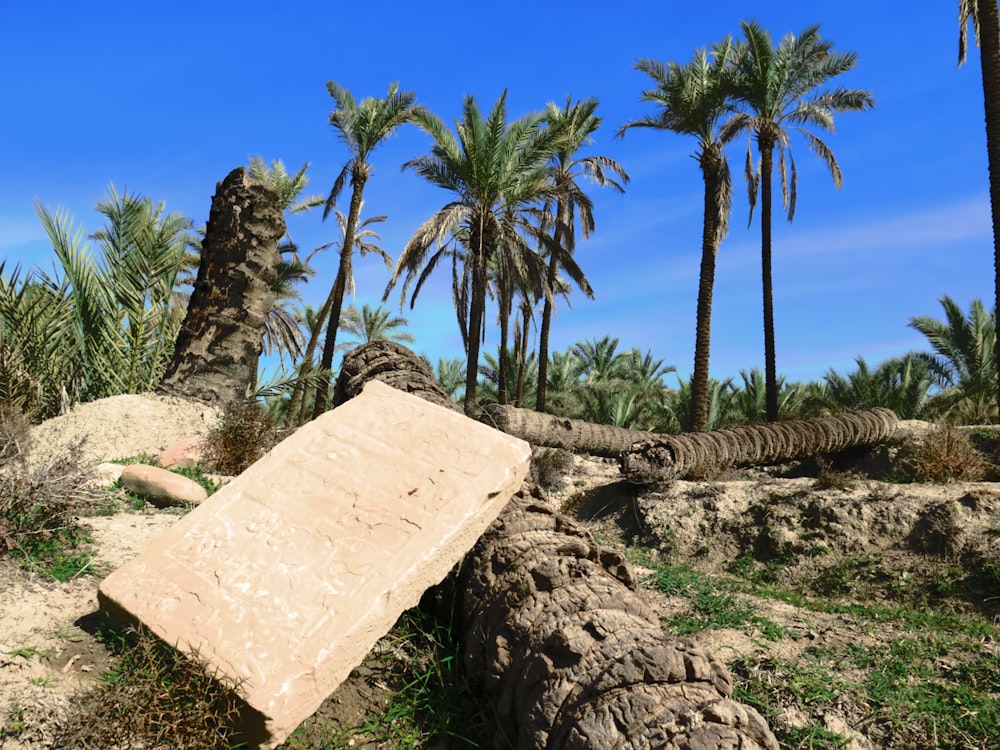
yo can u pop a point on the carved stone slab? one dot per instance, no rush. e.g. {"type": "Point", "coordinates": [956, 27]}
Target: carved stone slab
{"type": "Point", "coordinates": [286, 577]}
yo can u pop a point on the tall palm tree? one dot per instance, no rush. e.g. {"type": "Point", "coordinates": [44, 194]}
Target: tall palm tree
{"type": "Point", "coordinates": [497, 173]}
{"type": "Point", "coordinates": [783, 88]}
{"type": "Point", "coordinates": [373, 324]}
{"type": "Point", "coordinates": [577, 123]}
{"type": "Point", "coordinates": [985, 18]}
{"type": "Point", "coordinates": [361, 127]}
{"type": "Point", "coordinates": [962, 358]}
{"type": "Point", "coordinates": [310, 376]}
{"type": "Point", "coordinates": [693, 99]}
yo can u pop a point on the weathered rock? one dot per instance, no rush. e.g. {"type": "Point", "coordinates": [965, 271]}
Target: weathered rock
{"type": "Point", "coordinates": [288, 575]}
{"type": "Point", "coordinates": [216, 355]}
{"type": "Point", "coordinates": [161, 487]}
{"type": "Point", "coordinates": [182, 454]}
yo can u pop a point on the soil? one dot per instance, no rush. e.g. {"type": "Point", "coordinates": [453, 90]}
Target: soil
{"type": "Point", "coordinates": [792, 530]}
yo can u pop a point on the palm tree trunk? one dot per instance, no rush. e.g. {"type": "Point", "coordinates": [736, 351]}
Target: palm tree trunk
{"type": "Point", "coordinates": [770, 363]}
{"type": "Point", "coordinates": [296, 414]}
{"type": "Point", "coordinates": [989, 31]}
{"type": "Point", "coordinates": [668, 457]}
{"type": "Point", "coordinates": [576, 435]}
{"type": "Point", "coordinates": [522, 352]}
{"type": "Point", "coordinates": [543, 334]}
{"type": "Point", "coordinates": [339, 288]}
{"type": "Point", "coordinates": [503, 374]}
{"type": "Point", "coordinates": [554, 632]}
{"type": "Point", "coordinates": [476, 311]}
{"type": "Point", "coordinates": [706, 283]}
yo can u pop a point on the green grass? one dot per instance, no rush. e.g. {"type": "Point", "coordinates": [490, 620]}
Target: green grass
{"type": "Point", "coordinates": [916, 674]}
{"type": "Point", "coordinates": [60, 554]}
{"type": "Point", "coordinates": [429, 703]}
{"type": "Point", "coordinates": [717, 604]}
{"type": "Point", "coordinates": [150, 692]}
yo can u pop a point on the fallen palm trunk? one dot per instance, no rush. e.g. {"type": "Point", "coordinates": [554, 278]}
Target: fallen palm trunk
{"type": "Point", "coordinates": [650, 456]}
{"type": "Point", "coordinates": [667, 457]}
{"type": "Point", "coordinates": [574, 435]}
{"type": "Point", "coordinates": [555, 634]}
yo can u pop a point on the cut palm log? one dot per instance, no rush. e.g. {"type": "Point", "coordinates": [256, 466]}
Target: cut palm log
{"type": "Point", "coordinates": [649, 456]}
{"type": "Point", "coordinates": [555, 634]}
{"type": "Point", "coordinates": [666, 457]}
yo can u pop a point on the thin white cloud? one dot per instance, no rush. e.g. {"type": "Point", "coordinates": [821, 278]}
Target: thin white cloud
{"type": "Point", "coordinates": [959, 221]}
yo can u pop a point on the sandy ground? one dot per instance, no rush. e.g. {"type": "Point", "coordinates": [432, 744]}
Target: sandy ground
{"type": "Point", "coordinates": [48, 651]}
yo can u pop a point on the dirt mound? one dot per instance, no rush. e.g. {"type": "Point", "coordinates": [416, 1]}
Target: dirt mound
{"type": "Point", "coordinates": [126, 425]}
{"type": "Point", "coordinates": [803, 530]}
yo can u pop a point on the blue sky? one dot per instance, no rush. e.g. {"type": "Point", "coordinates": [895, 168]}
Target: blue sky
{"type": "Point", "coordinates": [165, 99]}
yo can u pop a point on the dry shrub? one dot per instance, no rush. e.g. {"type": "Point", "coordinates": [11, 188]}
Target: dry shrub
{"type": "Point", "coordinates": [153, 698]}
{"type": "Point", "coordinates": [712, 471]}
{"type": "Point", "coordinates": [39, 501]}
{"type": "Point", "coordinates": [549, 467]}
{"type": "Point", "coordinates": [245, 432]}
{"type": "Point", "coordinates": [946, 454]}
{"type": "Point", "coordinates": [830, 478]}
{"type": "Point", "coordinates": [15, 435]}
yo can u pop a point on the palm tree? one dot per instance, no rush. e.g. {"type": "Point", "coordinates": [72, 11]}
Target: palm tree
{"type": "Point", "coordinates": [901, 384]}
{"type": "Point", "coordinates": [563, 381]}
{"type": "Point", "coordinates": [780, 89]}
{"type": "Point", "coordinates": [99, 326]}
{"type": "Point", "coordinates": [693, 99]}
{"type": "Point", "coordinates": [747, 404]}
{"type": "Point", "coordinates": [600, 360]}
{"type": "Point", "coordinates": [985, 18]}
{"type": "Point", "coordinates": [511, 274]}
{"type": "Point", "coordinates": [676, 414]}
{"type": "Point", "coordinates": [450, 375]}
{"type": "Point", "coordinates": [373, 324]}
{"type": "Point", "coordinates": [361, 127]}
{"type": "Point", "coordinates": [962, 358]}
{"type": "Point", "coordinates": [309, 376]}
{"type": "Point", "coordinates": [577, 123]}
{"type": "Point", "coordinates": [497, 173]}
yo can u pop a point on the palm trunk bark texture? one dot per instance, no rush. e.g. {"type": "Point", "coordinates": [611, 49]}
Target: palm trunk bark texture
{"type": "Point", "coordinates": [555, 634]}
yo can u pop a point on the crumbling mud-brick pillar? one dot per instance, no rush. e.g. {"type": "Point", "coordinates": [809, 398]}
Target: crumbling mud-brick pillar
{"type": "Point", "coordinates": [216, 354]}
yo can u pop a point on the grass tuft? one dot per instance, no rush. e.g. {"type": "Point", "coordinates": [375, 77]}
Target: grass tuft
{"type": "Point", "coordinates": [153, 697]}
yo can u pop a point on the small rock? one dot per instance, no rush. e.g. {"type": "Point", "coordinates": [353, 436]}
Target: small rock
{"type": "Point", "coordinates": [161, 487]}
{"type": "Point", "coordinates": [106, 474]}
{"type": "Point", "coordinates": [855, 740]}
{"type": "Point", "coordinates": [183, 454]}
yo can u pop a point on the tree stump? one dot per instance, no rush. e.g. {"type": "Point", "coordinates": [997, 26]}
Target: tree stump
{"type": "Point", "coordinates": [219, 344]}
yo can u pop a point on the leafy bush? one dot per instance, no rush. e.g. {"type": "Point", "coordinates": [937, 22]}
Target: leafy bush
{"type": "Point", "coordinates": [245, 432]}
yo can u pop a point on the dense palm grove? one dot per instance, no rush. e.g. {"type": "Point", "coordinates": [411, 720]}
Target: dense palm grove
{"type": "Point", "coordinates": [514, 203]}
